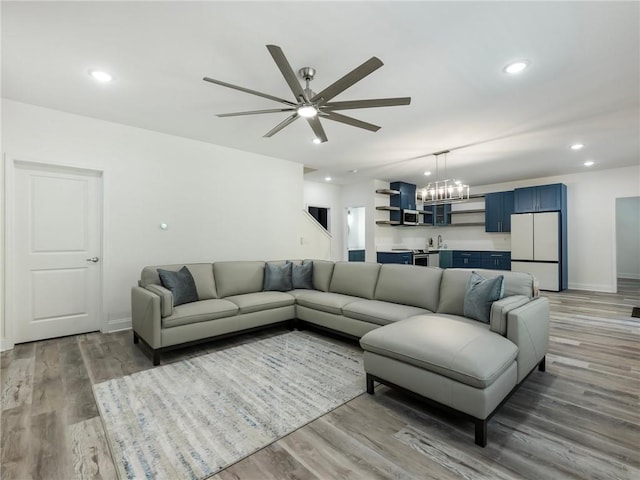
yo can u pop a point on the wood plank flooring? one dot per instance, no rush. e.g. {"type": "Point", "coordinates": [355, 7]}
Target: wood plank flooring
{"type": "Point", "coordinates": [578, 420]}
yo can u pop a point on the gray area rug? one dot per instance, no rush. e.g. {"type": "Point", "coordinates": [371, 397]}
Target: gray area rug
{"type": "Point", "coordinates": [193, 418]}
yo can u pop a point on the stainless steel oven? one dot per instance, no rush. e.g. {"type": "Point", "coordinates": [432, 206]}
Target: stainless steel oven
{"type": "Point", "coordinates": [420, 258]}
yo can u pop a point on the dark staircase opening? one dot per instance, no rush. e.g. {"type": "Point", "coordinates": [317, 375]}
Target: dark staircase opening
{"type": "Point", "coordinates": [321, 214]}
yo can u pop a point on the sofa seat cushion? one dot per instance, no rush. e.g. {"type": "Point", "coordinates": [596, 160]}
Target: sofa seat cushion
{"type": "Point", "coordinates": [200, 311]}
{"type": "Point", "coordinates": [460, 350]}
{"type": "Point", "coordinates": [255, 302]}
{"type": "Point", "coordinates": [380, 313]}
{"type": "Point", "coordinates": [325, 301]}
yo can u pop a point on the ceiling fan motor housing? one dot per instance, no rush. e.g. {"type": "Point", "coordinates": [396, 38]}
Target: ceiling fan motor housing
{"type": "Point", "coordinates": [307, 73]}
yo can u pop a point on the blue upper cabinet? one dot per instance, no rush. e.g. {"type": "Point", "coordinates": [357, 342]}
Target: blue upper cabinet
{"type": "Point", "coordinates": [542, 198]}
{"type": "Point", "coordinates": [498, 210]}
{"type": "Point", "coordinates": [406, 200]}
{"type": "Point", "coordinates": [438, 215]}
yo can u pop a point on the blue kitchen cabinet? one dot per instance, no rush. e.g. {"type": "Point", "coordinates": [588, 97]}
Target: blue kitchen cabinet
{"type": "Point", "coordinates": [437, 215]}
{"type": "Point", "coordinates": [405, 200]}
{"type": "Point", "coordinates": [356, 255]}
{"type": "Point", "coordinates": [405, 258]}
{"type": "Point", "coordinates": [446, 259]}
{"type": "Point", "coordinates": [496, 260]}
{"type": "Point", "coordinates": [541, 198]}
{"type": "Point", "coordinates": [498, 209]}
{"type": "Point", "coordinates": [467, 259]}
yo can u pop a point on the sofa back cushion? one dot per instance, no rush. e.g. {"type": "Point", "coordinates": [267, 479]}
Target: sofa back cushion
{"type": "Point", "coordinates": [238, 277]}
{"type": "Point", "coordinates": [354, 278]}
{"type": "Point", "coordinates": [202, 274]}
{"type": "Point", "coordinates": [322, 272]}
{"type": "Point", "coordinates": [454, 285]}
{"type": "Point", "coordinates": [409, 285]}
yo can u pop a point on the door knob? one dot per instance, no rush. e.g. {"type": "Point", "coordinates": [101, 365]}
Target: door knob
{"type": "Point", "coordinates": [93, 259]}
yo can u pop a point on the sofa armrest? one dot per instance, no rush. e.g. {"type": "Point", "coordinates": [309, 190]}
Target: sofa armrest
{"type": "Point", "coordinates": [501, 308]}
{"type": "Point", "coordinates": [166, 298]}
{"type": "Point", "coordinates": [528, 328]}
{"type": "Point", "coordinates": [145, 316]}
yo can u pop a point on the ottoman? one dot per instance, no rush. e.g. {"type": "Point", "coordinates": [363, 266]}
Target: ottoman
{"type": "Point", "coordinates": [453, 362]}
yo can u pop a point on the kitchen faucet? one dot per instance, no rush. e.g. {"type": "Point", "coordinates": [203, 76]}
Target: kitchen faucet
{"type": "Point", "coordinates": [439, 241]}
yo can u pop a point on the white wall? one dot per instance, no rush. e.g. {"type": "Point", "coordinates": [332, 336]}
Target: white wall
{"type": "Point", "coordinates": [219, 203]}
{"type": "Point", "coordinates": [628, 237]}
{"type": "Point", "coordinates": [328, 195]}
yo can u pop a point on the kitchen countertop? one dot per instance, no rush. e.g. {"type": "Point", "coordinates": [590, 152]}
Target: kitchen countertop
{"type": "Point", "coordinates": [405, 251]}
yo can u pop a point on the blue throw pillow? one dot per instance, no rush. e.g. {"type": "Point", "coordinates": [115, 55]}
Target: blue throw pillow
{"type": "Point", "coordinates": [181, 285]}
{"type": "Point", "coordinates": [480, 294]}
{"type": "Point", "coordinates": [302, 274]}
{"type": "Point", "coordinates": [277, 277]}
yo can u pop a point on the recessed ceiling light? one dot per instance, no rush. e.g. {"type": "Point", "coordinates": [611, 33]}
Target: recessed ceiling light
{"type": "Point", "coordinates": [327, 179]}
{"type": "Point", "coordinates": [589, 163]}
{"type": "Point", "coordinates": [101, 76]}
{"type": "Point", "coordinates": [427, 173]}
{"type": "Point", "coordinates": [353, 171]}
{"type": "Point", "coordinates": [516, 67]}
{"type": "Point", "coordinates": [577, 146]}
{"type": "Point", "coordinates": [317, 141]}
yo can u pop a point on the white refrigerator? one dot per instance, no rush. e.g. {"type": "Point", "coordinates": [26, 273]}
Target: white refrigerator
{"type": "Point", "coordinates": [535, 247]}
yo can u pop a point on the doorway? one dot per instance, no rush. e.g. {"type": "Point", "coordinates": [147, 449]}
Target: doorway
{"type": "Point", "coordinates": [356, 234]}
{"type": "Point", "coordinates": [54, 250]}
{"type": "Point", "coordinates": [628, 250]}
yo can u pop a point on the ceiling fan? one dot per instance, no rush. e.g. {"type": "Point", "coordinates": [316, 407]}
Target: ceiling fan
{"type": "Point", "coordinates": [313, 106]}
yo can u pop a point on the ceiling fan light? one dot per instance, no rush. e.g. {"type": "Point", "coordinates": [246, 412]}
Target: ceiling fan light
{"type": "Point", "coordinates": [307, 111]}
{"type": "Point", "coordinates": [317, 141]}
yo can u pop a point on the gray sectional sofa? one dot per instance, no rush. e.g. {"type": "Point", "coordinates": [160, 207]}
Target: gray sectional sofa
{"type": "Point", "coordinates": [410, 322]}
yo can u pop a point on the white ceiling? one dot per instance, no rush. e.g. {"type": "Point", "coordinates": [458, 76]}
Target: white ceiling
{"type": "Point", "coordinates": [583, 84]}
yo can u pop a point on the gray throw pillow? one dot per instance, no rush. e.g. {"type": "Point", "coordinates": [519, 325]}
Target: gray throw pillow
{"type": "Point", "coordinates": [302, 274]}
{"type": "Point", "coordinates": [480, 294]}
{"type": "Point", "coordinates": [277, 277]}
{"type": "Point", "coordinates": [181, 285]}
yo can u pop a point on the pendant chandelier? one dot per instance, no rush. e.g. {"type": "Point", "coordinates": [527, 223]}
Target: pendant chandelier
{"type": "Point", "coordinates": [441, 192]}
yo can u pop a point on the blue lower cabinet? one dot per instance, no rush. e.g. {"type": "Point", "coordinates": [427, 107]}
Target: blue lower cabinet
{"type": "Point", "coordinates": [390, 257]}
{"type": "Point", "coordinates": [496, 260]}
{"type": "Point", "coordinates": [446, 258]}
{"type": "Point", "coordinates": [467, 259]}
{"type": "Point", "coordinates": [356, 255]}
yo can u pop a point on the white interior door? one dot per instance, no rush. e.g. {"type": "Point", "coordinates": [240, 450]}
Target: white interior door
{"type": "Point", "coordinates": [56, 251]}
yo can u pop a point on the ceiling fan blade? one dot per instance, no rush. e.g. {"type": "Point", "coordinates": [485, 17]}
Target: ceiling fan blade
{"type": "Point", "coordinates": [336, 117]}
{"type": "Point", "coordinates": [372, 103]}
{"type": "Point", "coordinates": [255, 112]}
{"type": "Point", "coordinates": [316, 126]}
{"type": "Point", "coordinates": [349, 79]}
{"type": "Point", "coordinates": [247, 90]}
{"type": "Point", "coordinates": [281, 125]}
{"type": "Point", "coordinates": [287, 72]}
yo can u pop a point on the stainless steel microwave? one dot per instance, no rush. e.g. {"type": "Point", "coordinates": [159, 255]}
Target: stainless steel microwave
{"type": "Point", "coordinates": [410, 217]}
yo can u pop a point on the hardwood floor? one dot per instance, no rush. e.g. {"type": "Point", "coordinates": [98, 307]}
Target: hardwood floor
{"type": "Point", "coordinates": [580, 419]}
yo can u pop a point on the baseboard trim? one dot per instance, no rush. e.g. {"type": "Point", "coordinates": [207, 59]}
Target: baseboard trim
{"type": "Point", "coordinates": [629, 276]}
{"type": "Point", "coordinates": [118, 324]}
{"type": "Point", "coordinates": [5, 345]}
{"type": "Point", "coordinates": [593, 287]}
